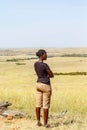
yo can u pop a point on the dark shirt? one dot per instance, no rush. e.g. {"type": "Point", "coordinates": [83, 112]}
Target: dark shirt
{"type": "Point", "coordinates": [41, 71]}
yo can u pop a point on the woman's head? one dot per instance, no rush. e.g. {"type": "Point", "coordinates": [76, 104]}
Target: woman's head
{"type": "Point", "coordinates": [41, 54]}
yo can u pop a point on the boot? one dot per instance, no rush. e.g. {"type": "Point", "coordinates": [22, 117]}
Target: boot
{"type": "Point", "coordinates": [38, 116]}
{"type": "Point", "coordinates": [45, 116]}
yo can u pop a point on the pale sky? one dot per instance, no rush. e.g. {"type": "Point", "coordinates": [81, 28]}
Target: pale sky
{"type": "Point", "coordinates": [43, 23]}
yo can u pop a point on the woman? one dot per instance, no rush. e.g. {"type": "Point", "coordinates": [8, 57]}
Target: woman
{"type": "Point", "coordinates": [43, 86]}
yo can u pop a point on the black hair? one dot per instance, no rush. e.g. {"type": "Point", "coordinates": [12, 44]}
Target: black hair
{"type": "Point", "coordinates": [40, 52]}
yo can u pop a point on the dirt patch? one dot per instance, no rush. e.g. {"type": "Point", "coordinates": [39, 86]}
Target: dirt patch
{"type": "Point", "coordinates": [66, 123]}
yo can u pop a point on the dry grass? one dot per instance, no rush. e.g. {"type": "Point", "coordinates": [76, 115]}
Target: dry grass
{"type": "Point", "coordinates": [67, 123]}
{"type": "Point", "coordinates": [17, 85]}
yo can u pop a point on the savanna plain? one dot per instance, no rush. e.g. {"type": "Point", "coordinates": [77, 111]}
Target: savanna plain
{"type": "Point", "coordinates": [69, 88]}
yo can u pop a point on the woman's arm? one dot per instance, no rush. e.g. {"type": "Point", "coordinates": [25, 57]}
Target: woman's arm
{"type": "Point", "coordinates": [50, 73]}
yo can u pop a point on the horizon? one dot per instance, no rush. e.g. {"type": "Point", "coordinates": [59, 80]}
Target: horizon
{"type": "Point", "coordinates": [5, 48]}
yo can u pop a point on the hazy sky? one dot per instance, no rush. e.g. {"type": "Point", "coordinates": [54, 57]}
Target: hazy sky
{"type": "Point", "coordinates": [43, 23]}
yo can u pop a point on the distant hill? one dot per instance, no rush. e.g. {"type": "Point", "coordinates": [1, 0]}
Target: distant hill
{"type": "Point", "coordinates": [50, 51]}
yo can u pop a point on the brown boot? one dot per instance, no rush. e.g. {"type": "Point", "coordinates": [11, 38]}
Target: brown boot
{"type": "Point", "coordinates": [38, 116]}
{"type": "Point", "coordinates": [46, 111]}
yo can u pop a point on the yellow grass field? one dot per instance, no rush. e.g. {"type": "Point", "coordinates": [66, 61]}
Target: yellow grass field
{"type": "Point", "coordinates": [17, 85]}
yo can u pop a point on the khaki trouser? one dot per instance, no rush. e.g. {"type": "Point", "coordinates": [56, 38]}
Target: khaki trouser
{"type": "Point", "coordinates": [43, 95]}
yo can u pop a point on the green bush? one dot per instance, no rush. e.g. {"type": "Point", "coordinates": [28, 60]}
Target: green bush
{"type": "Point", "coordinates": [20, 63]}
{"type": "Point", "coordinates": [71, 73]}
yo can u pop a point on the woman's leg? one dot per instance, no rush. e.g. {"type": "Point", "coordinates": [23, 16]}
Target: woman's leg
{"type": "Point", "coordinates": [39, 103]}
{"type": "Point", "coordinates": [38, 115]}
{"type": "Point", "coordinates": [46, 104]}
{"type": "Point", "coordinates": [46, 112]}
